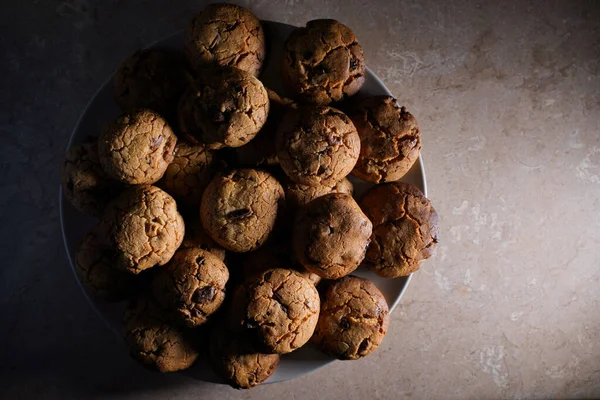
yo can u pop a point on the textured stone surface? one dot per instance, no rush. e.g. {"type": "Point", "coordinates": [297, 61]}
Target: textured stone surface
{"type": "Point", "coordinates": [507, 95]}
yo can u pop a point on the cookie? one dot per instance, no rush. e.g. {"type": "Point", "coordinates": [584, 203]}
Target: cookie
{"type": "Point", "coordinates": [239, 209]}
{"type": "Point", "coordinates": [235, 362]}
{"type": "Point", "coordinates": [297, 196]}
{"type": "Point", "coordinates": [354, 319]}
{"type": "Point", "coordinates": [331, 235]}
{"type": "Point", "coordinates": [276, 254]}
{"type": "Point", "coordinates": [323, 62]}
{"type": "Point", "coordinates": [188, 175]}
{"type": "Point", "coordinates": [137, 147]}
{"type": "Point", "coordinates": [155, 341]}
{"type": "Point", "coordinates": [390, 141]}
{"type": "Point", "coordinates": [145, 228]}
{"type": "Point", "coordinates": [85, 184]}
{"type": "Point", "coordinates": [405, 229]}
{"type": "Point", "coordinates": [317, 145]}
{"type": "Point", "coordinates": [93, 266]}
{"type": "Point", "coordinates": [196, 237]}
{"type": "Point", "coordinates": [191, 286]}
{"type": "Point", "coordinates": [225, 108]}
{"type": "Point", "coordinates": [225, 35]}
{"type": "Point", "coordinates": [279, 310]}
{"type": "Point", "coordinates": [153, 79]}
{"type": "Point", "coordinates": [261, 151]}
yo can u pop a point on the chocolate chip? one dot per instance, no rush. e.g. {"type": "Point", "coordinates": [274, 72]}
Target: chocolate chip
{"type": "Point", "coordinates": [267, 275]}
{"type": "Point", "coordinates": [353, 64]}
{"type": "Point", "coordinates": [344, 323]}
{"type": "Point", "coordinates": [334, 139]}
{"type": "Point", "coordinates": [218, 117]}
{"type": "Point", "coordinates": [155, 143]}
{"type": "Point", "coordinates": [239, 214]}
{"type": "Point", "coordinates": [199, 260]}
{"type": "Point", "coordinates": [204, 295]}
{"type": "Point", "coordinates": [250, 324]}
{"type": "Point", "coordinates": [364, 345]}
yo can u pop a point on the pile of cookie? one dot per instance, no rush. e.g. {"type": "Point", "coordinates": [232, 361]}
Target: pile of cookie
{"type": "Point", "coordinates": [226, 218]}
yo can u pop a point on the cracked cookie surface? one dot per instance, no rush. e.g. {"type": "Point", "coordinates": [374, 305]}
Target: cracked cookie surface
{"type": "Point", "coordinates": [278, 310]}
{"type": "Point", "coordinates": [137, 147]}
{"type": "Point", "coordinates": [323, 62]}
{"type": "Point", "coordinates": [152, 79]}
{"type": "Point", "coordinates": [145, 228]}
{"type": "Point", "coordinates": [297, 196]}
{"type": "Point", "coordinates": [95, 270]}
{"type": "Point", "coordinates": [331, 235]}
{"type": "Point", "coordinates": [84, 182]}
{"type": "Point", "coordinates": [317, 145]}
{"type": "Point", "coordinates": [155, 341]}
{"type": "Point", "coordinates": [188, 175]}
{"type": "Point", "coordinates": [239, 209]}
{"type": "Point", "coordinates": [223, 108]}
{"type": "Point", "coordinates": [405, 229]}
{"type": "Point", "coordinates": [226, 35]}
{"type": "Point", "coordinates": [390, 140]}
{"type": "Point", "coordinates": [191, 285]}
{"type": "Point", "coordinates": [354, 319]}
{"type": "Point", "coordinates": [236, 362]}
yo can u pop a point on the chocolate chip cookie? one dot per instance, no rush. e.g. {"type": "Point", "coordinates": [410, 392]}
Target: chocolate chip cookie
{"type": "Point", "coordinates": [239, 209]}
{"type": "Point", "coordinates": [145, 228]}
{"type": "Point", "coordinates": [224, 108]}
{"type": "Point", "coordinates": [191, 286]}
{"type": "Point", "coordinates": [390, 141]}
{"type": "Point", "coordinates": [323, 62]}
{"type": "Point", "coordinates": [95, 271]}
{"type": "Point", "coordinates": [224, 35]}
{"type": "Point", "coordinates": [354, 319]}
{"type": "Point", "coordinates": [155, 341]}
{"type": "Point", "coordinates": [188, 175]}
{"type": "Point", "coordinates": [297, 196]}
{"type": "Point", "coordinates": [317, 145]}
{"type": "Point", "coordinates": [84, 182]}
{"type": "Point", "coordinates": [405, 229]}
{"type": "Point", "coordinates": [153, 79]}
{"type": "Point", "coordinates": [331, 236]}
{"type": "Point", "coordinates": [278, 310]}
{"type": "Point", "coordinates": [137, 147]}
{"type": "Point", "coordinates": [236, 362]}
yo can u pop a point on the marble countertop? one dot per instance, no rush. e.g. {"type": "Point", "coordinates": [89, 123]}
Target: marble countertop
{"type": "Point", "coordinates": [508, 99]}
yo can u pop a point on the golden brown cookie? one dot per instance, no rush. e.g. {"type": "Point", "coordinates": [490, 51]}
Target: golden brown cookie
{"type": "Point", "coordinates": [224, 108]}
{"type": "Point", "coordinates": [95, 269]}
{"type": "Point", "coordinates": [323, 62]}
{"type": "Point", "coordinates": [196, 237]}
{"type": "Point", "coordinates": [137, 147]}
{"type": "Point", "coordinates": [405, 229]}
{"type": "Point", "coordinates": [84, 182]}
{"type": "Point", "coordinates": [225, 35]}
{"type": "Point", "coordinates": [354, 319]}
{"type": "Point", "coordinates": [151, 78]}
{"type": "Point", "coordinates": [331, 235]}
{"type": "Point", "coordinates": [145, 228]}
{"type": "Point", "coordinates": [155, 341]}
{"type": "Point", "coordinates": [390, 141]}
{"type": "Point", "coordinates": [274, 254]}
{"type": "Point", "coordinates": [236, 362]}
{"type": "Point", "coordinates": [279, 310]}
{"type": "Point", "coordinates": [261, 151]}
{"type": "Point", "coordinates": [239, 209]}
{"type": "Point", "coordinates": [188, 175]}
{"type": "Point", "coordinates": [317, 145]}
{"type": "Point", "coordinates": [297, 196]}
{"type": "Point", "coordinates": [191, 286]}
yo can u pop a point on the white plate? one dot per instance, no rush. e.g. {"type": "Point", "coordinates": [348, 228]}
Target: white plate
{"type": "Point", "coordinates": [102, 109]}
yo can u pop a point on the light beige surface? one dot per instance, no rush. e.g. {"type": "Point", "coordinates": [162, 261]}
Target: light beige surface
{"type": "Point", "coordinates": [508, 98]}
